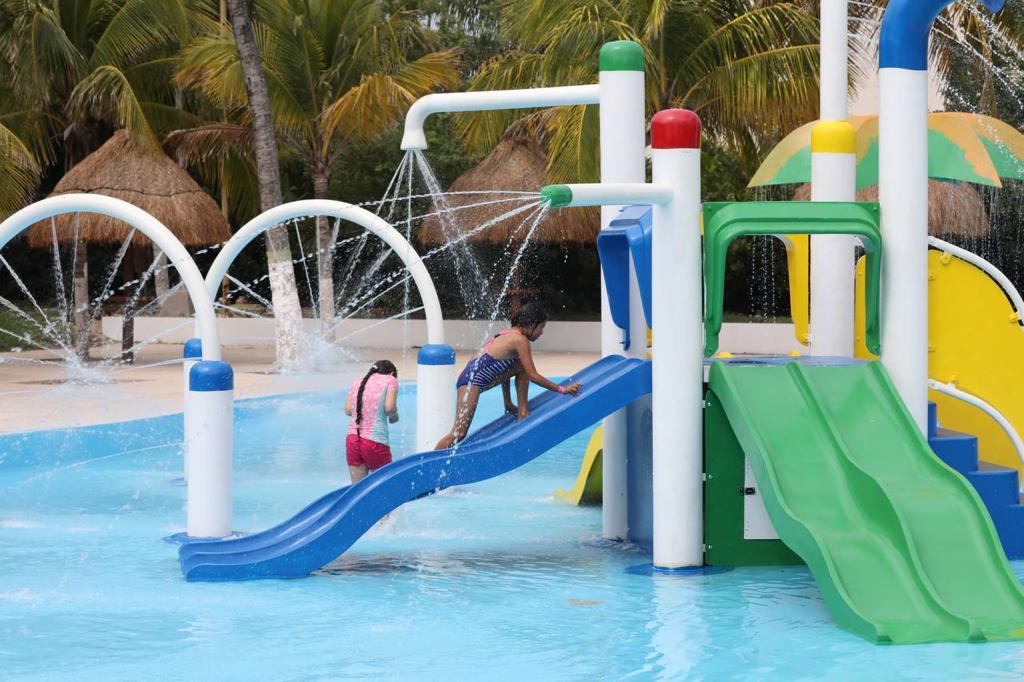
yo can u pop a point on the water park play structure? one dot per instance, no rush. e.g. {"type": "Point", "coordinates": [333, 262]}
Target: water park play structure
{"type": "Point", "coordinates": [901, 545]}
{"type": "Point", "coordinates": [705, 460]}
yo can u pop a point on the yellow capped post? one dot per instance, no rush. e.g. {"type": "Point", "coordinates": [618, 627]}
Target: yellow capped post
{"type": "Point", "coordinates": [833, 137]}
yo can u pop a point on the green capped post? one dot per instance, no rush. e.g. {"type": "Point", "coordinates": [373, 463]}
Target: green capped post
{"type": "Point", "coordinates": [621, 55]}
{"type": "Point", "coordinates": [556, 196]}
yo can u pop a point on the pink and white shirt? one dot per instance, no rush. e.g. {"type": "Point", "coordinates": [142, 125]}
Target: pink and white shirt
{"type": "Point", "coordinates": [374, 424]}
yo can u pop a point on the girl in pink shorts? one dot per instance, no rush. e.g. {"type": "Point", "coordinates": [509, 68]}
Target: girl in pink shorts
{"type": "Point", "coordinates": [372, 403]}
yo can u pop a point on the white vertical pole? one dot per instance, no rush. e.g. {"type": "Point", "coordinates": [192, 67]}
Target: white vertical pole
{"type": "Point", "coordinates": [435, 394]}
{"type": "Point", "coordinates": [678, 364]}
{"type": "Point", "coordinates": [191, 354]}
{"type": "Point", "coordinates": [903, 194]}
{"type": "Point", "coordinates": [833, 271]}
{"type": "Point", "coordinates": [834, 89]}
{"type": "Point", "coordinates": [209, 442]}
{"type": "Point", "coordinates": [623, 138]}
{"type": "Point", "coordinates": [832, 265]}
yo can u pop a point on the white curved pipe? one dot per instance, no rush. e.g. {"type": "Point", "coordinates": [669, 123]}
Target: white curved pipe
{"type": "Point", "coordinates": [491, 100]}
{"type": "Point", "coordinates": [997, 416]}
{"type": "Point", "coordinates": [164, 239]}
{"type": "Point", "coordinates": [341, 210]}
{"type": "Point", "coordinates": [604, 193]}
{"type": "Point", "coordinates": [986, 267]}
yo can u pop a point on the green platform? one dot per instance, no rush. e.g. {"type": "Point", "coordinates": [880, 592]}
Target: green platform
{"type": "Point", "coordinates": [899, 544]}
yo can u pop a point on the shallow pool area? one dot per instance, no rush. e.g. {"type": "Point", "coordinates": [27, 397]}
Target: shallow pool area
{"type": "Point", "coordinates": [496, 580]}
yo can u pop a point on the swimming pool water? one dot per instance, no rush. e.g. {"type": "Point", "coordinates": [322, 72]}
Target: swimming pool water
{"type": "Point", "coordinates": [494, 581]}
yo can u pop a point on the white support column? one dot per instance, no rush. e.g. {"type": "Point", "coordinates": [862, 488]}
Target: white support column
{"type": "Point", "coordinates": [191, 354]}
{"type": "Point", "coordinates": [832, 256]}
{"type": "Point", "coordinates": [209, 443]}
{"type": "Point", "coordinates": [435, 395]}
{"type": "Point", "coordinates": [678, 369]}
{"type": "Point", "coordinates": [903, 194]}
{"type": "Point", "coordinates": [833, 270]}
{"type": "Point", "coordinates": [623, 140]}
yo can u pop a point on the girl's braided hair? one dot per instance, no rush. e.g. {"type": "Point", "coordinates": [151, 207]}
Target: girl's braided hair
{"type": "Point", "coordinates": [379, 367]}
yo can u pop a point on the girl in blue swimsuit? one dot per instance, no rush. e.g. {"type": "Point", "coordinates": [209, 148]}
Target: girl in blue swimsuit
{"type": "Point", "coordinates": [506, 356]}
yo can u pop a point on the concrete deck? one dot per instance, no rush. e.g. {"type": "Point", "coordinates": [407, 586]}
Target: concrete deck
{"type": "Point", "coordinates": [36, 393]}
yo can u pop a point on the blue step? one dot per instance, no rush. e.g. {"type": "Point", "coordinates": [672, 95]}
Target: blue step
{"type": "Point", "coordinates": [1009, 522]}
{"type": "Point", "coordinates": [997, 486]}
{"type": "Point", "coordinates": [958, 450]}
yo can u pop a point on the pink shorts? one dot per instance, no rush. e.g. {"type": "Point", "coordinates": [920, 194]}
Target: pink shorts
{"type": "Point", "coordinates": [360, 451]}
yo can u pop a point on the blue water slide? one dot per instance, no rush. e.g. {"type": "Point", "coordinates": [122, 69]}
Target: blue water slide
{"type": "Point", "coordinates": [329, 526]}
{"type": "Point", "coordinates": [626, 238]}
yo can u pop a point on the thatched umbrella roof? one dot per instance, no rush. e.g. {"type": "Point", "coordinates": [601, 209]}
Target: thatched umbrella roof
{"type": "Point", "coordinates": [953, 207]}
{"type": "Point", "coordinates": [511, 165]}
{"type": "Point", "coordinates": [151, 181]}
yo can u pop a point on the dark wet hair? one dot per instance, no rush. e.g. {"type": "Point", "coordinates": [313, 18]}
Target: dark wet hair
{"type": "Point", "coordinates": [379, 367]}
{"type": "Point", "coordinates": [530, 315]}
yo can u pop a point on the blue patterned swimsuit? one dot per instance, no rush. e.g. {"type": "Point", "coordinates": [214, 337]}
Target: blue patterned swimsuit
{"type": "Point", "coordinates": [485, 371]}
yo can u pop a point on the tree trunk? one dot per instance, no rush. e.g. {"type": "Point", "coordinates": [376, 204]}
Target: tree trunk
{"type": "Point", "coordinates": [284, 293]}
{"type": "Point", "coordinates": [80, 301]}
{"type": "Point", "coordinates": [161, 277]}
{"type": "Point", "coordinates": [324, 258]}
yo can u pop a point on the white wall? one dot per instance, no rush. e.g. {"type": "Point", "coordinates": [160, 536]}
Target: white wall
{"type": "Point", "coordinates": [580, 337]}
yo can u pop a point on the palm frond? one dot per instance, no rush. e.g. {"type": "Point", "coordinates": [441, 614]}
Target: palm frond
{"type": "Point", "coordinates": [107, 95]}
{"type": "Point", "coordinates": [19, 173]}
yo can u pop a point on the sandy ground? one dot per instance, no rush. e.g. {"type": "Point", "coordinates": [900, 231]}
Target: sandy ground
{"type": "Point", "coordinates": [39, 392]}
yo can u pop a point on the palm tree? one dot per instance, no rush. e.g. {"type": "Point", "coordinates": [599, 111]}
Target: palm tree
{"type": "Point", "coordinates": [336, 71]}
{"type": "Point", "coordinates": [71, 64]}
{"type": "Point", "coordinates": [279, 258]}
{"type": "Point", "coordinates": [750, 68]}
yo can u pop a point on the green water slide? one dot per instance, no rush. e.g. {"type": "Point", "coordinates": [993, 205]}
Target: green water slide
{"type": "Point", "coordinates": [900, 545]}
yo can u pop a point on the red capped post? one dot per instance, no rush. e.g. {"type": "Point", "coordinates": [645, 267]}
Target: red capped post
{"type": "Point", "coordinates": [678, 369]}
{"type": "Point", "coordinates": [675, 129]}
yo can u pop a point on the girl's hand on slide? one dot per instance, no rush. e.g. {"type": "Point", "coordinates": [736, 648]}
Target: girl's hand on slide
{"type": "Point", "coordinates": [573, 389]}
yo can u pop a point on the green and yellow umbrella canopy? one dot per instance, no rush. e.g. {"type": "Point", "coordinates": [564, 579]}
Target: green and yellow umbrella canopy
{"type": "Point", "coordinates": [961, 147]}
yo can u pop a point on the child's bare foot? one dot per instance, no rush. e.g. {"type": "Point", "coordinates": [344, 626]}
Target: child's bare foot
{"type": "Point", "coordinates": [523, 414]}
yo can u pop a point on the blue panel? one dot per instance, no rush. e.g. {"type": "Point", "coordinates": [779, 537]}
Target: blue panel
{"type": "Point", "coordinates": [329, 526]}
{"type": "Point", "coordinates": [436, 354]}
{"type": "Point", "coordinates": [193, 349]}
{"type": "Point", "coordinates": [903, 43]}
{"type": "Point", "coordinates": [211, 375]}
{"type": "Point", "coordinates": [614, 253]}
{"type": "Point", "coordinates": [629, 235]}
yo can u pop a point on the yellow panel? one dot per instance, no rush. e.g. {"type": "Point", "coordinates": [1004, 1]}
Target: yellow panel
{"type": "Point", "coordinates": [860, 348]}
{"type": "Point", "coordinates": [798, 264]}
{"type": "Point", "coordinates": [587, 489]}
{"type": "Point", "coordinates": [975, 342]}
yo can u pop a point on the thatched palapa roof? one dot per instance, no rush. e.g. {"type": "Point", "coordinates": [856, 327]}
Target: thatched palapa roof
{"type": "Point", "coordinates": [150, 180]}
{"type": "Point", "coordinates": [511, 165]}
{"type": "Point", "coordinates": [953, 207]}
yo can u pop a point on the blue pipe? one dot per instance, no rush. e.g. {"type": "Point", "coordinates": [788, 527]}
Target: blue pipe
{"type": "Point", "coordinates": [905, 29]}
